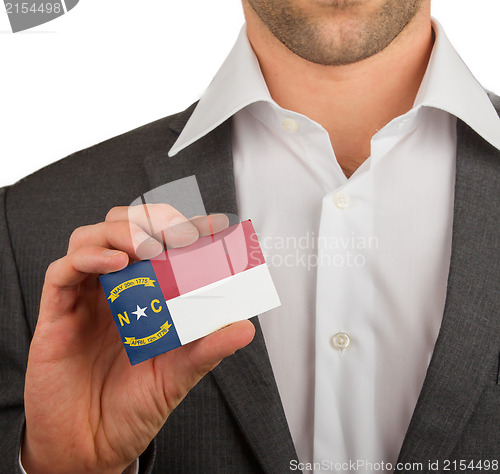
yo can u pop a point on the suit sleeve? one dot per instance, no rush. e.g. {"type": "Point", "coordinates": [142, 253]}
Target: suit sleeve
{"type": "Point", "coordinates": [15, 339]}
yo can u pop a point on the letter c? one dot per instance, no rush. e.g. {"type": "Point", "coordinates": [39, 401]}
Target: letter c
{"type": "Point", "coordinates": [156, 310]}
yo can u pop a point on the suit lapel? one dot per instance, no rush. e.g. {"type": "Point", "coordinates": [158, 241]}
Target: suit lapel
{"type": "Point", "coordinates": [246, 379]}
{"type": "Point", "coordinates": [466, 347]}
{"type": "Point", "coordinates": [247, 382]}
{"type": "Point", "coordinates": [209, 159]}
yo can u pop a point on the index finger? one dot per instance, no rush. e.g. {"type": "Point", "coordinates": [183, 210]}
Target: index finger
{"type": "Point", "coordinates": [167, 224]}
{"type": "Point", "coordinates": [161, 221]}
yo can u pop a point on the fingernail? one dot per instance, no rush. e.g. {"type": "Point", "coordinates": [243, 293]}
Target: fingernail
{"type": "Point", "coordinates": [182, 226]}
{"type": "Point", "coordinates": [111, 253]}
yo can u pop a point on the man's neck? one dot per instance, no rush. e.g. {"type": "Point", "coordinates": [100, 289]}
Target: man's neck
{"type": "Point", "coordinates": [351, 102]}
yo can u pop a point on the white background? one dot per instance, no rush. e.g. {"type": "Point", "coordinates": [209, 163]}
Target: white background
{"type": "Point", "coordinates": [109, 66]}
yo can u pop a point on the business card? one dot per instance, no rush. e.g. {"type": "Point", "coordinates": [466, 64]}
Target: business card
{"type": "Point", "coordinates": [186, 293]}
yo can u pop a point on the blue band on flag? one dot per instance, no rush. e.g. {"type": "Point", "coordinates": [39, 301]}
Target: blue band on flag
{"type": "Point", "coordinates": [140, 311]}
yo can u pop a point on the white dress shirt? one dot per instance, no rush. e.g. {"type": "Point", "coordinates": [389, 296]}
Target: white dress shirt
{"type": "Point", "coordinates": [360, 264]}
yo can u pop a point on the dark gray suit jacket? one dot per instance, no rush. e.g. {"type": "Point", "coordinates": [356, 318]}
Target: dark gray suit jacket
{"type": "Point", "coordinates": [233, 420]}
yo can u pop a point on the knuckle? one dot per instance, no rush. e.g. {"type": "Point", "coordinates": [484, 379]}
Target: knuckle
{"type": "Point", "coordinates": [161, 208]}
{"type": "Point", "coordinates": [138, 212]}
{"type": "Point", "coordinates": [77, 235]}
{"type": "Point", "coordinates": [113, 212]}
{"type": "Point", "coordinates": [52, 270]}
{"type": "Point", "coordinates": [168, 207]}
{"type": "Point", "coordinates": [81, 236]}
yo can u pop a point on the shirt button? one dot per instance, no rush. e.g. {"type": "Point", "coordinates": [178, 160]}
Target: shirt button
{"type": "Point", "coordinates": [340, 341]}
{"type": "Point", "coordinates": [341, 200]}
{"type": "Point", "coordinates": [290, 125]}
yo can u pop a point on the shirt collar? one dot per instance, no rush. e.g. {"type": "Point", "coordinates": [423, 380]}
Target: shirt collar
{"type": "Point", "coordinates": [450, 86]}
{"type": "Point", "coordinates": [447, 85]}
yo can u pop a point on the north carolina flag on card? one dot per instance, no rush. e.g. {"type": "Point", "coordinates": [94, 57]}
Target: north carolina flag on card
{"type": "Point", "coordinates": [187, 293]}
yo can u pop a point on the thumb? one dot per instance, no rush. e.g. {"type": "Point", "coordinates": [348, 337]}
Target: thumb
{"type": "Point", "coordinates": [188, 364]}
{"type": "Point", "coordinates": [204, 354]}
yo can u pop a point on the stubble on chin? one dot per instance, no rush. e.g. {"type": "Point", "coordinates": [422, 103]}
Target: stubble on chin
{"type": "Point", "coordinates": [346, 33]}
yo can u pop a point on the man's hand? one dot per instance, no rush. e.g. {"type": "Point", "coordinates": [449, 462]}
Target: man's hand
{"type": "Point", "coordinates": [87, 408]}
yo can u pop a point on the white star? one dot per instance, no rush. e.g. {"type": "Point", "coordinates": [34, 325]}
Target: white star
{"type": "Point", "coordinates": [140, 312]}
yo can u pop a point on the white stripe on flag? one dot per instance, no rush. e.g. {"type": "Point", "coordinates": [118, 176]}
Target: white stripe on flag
{"type": "Point", "coordinates": [214, 306]}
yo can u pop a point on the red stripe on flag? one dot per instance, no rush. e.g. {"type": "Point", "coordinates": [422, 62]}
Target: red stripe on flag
{"type": "Point", "coordinates": [165, 276]}
{"type": "Point", "coordinates": [210, 259]}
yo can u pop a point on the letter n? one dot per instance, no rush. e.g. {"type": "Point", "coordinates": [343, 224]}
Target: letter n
{"type": "Point", "coordinates": [123, 318]}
